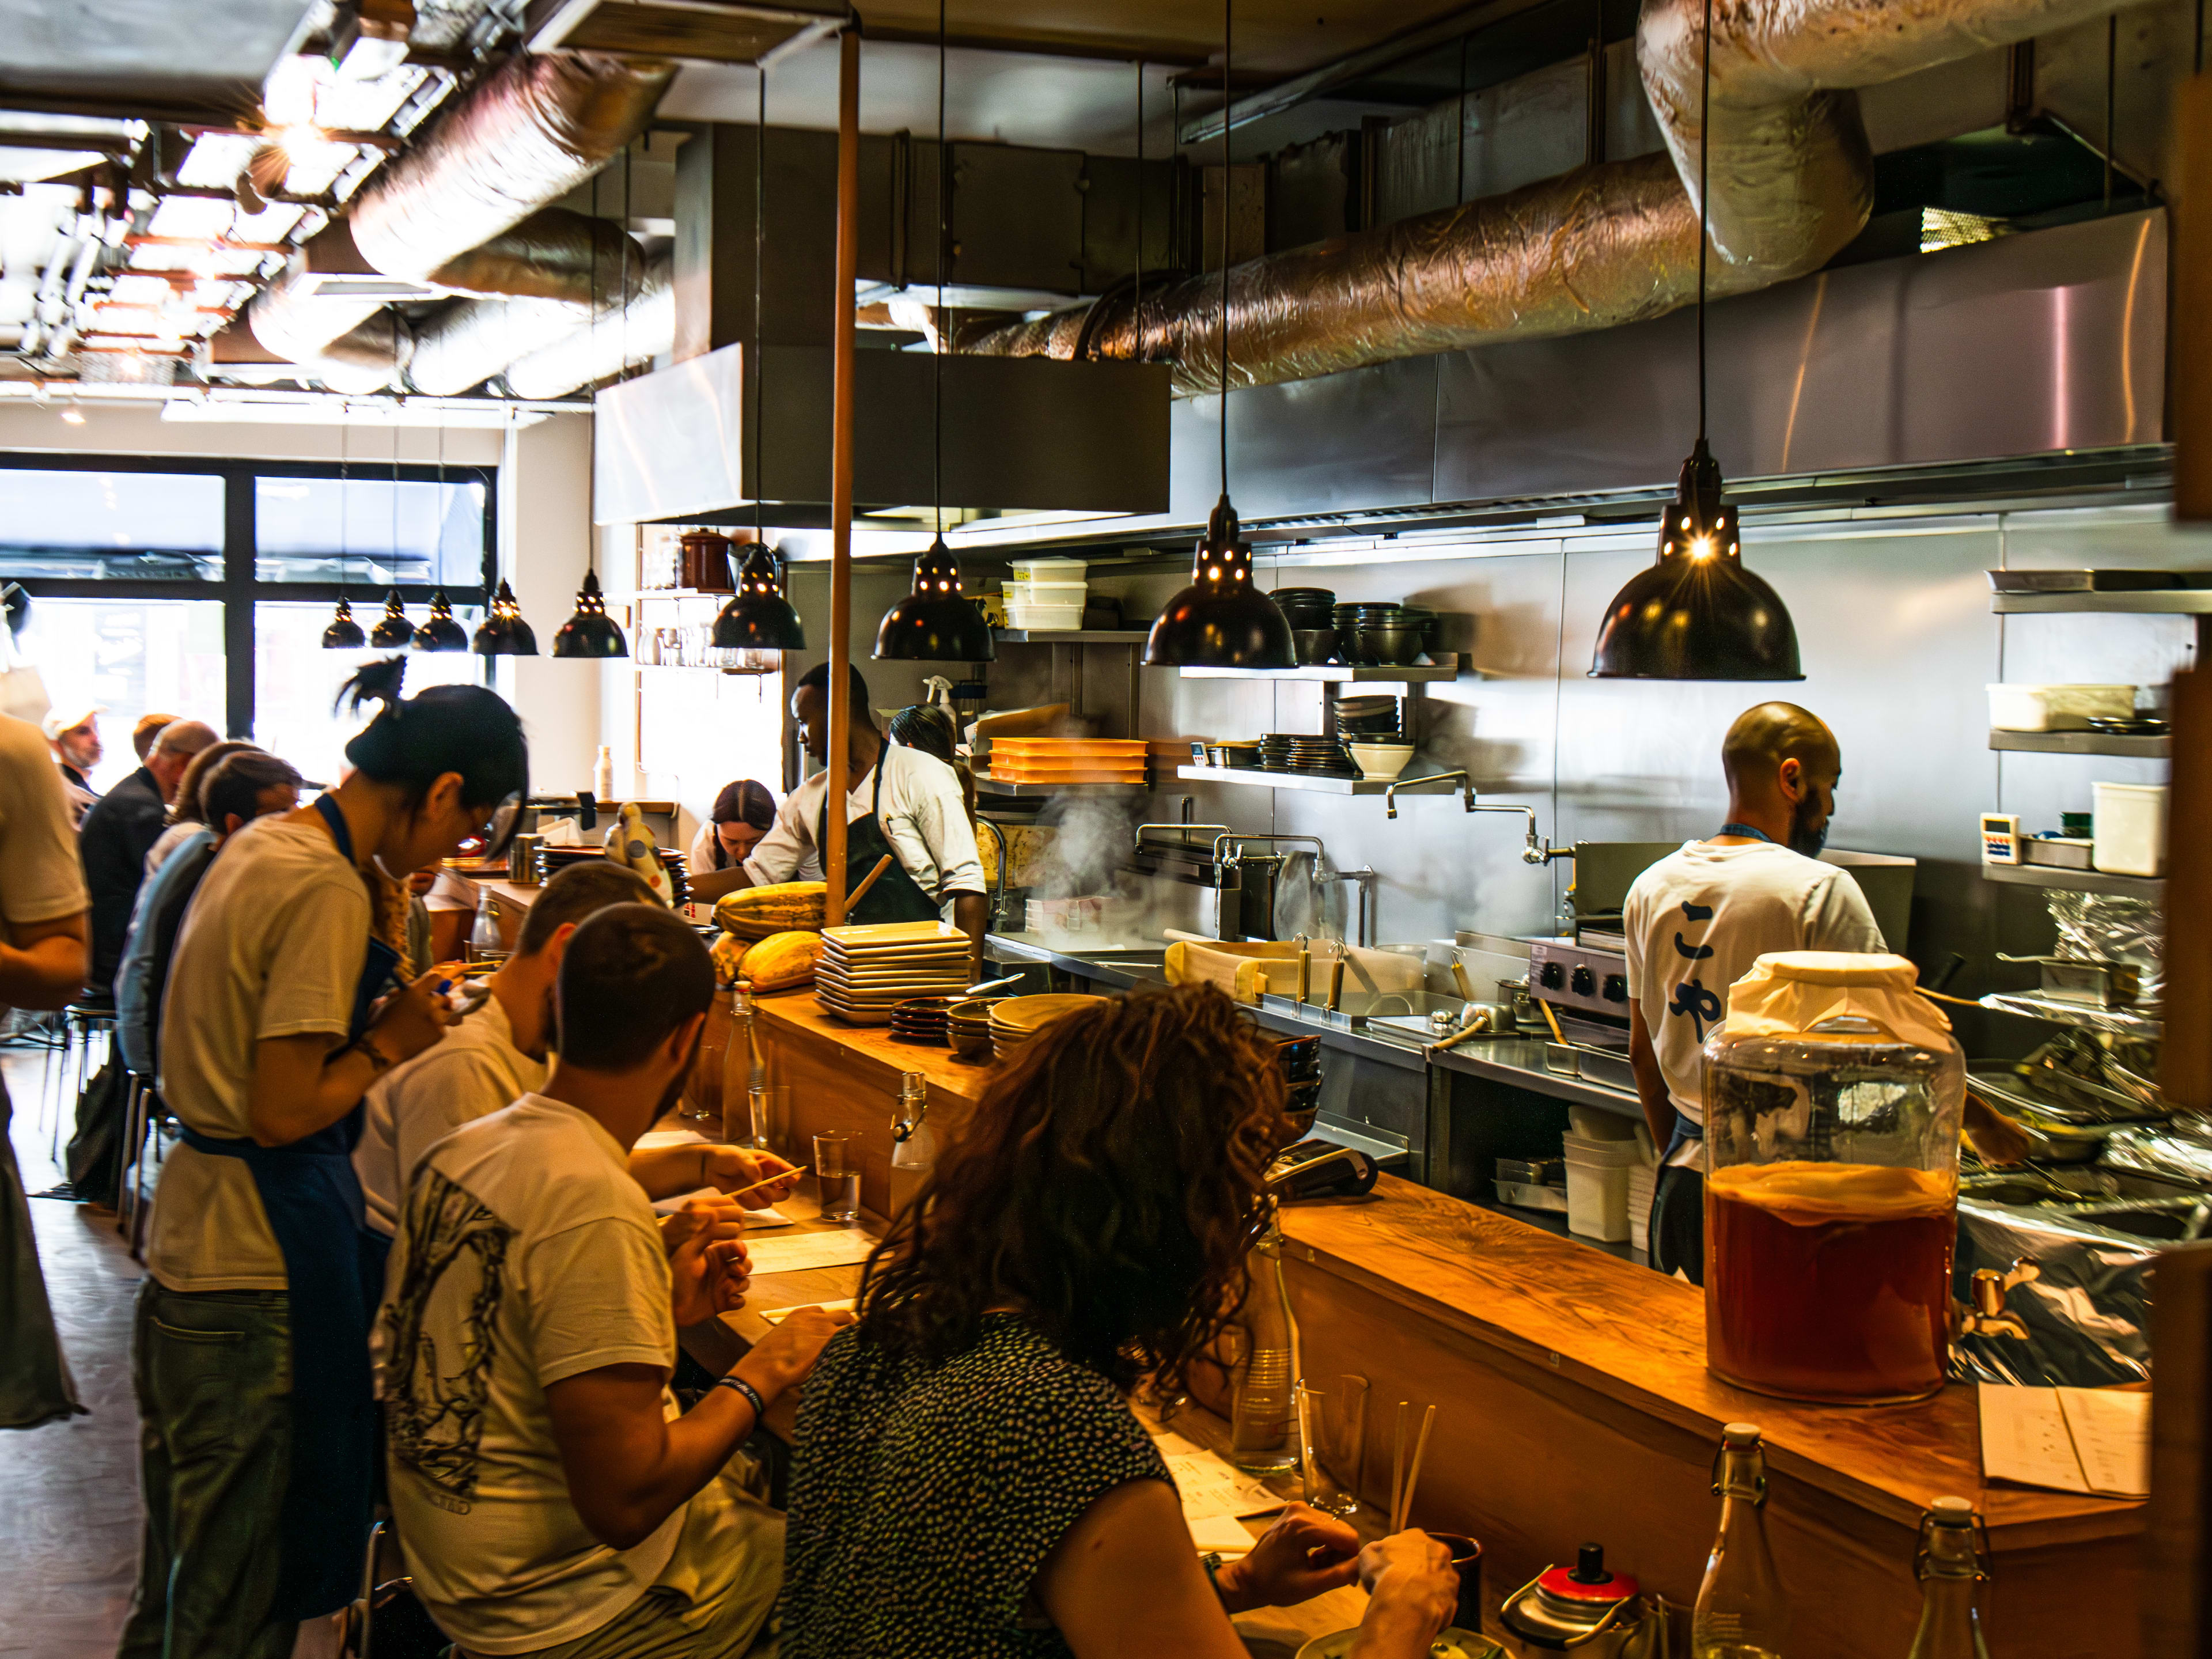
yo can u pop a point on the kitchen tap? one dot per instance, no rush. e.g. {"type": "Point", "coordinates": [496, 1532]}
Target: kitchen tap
{"type": "Point", "coordinates": [1000, 919]}
{"type": "Point", "coordinates": [1536, 851]}
{"type": "Point", "coordinates": [1390, 794]}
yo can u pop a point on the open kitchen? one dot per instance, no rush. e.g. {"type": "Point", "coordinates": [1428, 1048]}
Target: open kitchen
{"type": "Point", "coordinates": [1516, 694]}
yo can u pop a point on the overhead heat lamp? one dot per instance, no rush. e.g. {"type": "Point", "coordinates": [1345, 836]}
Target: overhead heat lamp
{"type": "Point", "coordinates": [345, 633]}
{"type": "Point", "coordinates": [1221, 620]}
{"type": "Point", "coordinates": [1698, 614]}
{"type": "Point", "coordinates": [438, 631]}
{"type": "Point", "coordinates": [756, 616]}
{"type": "Point", "coordinates": [503, 633]}
{"type": "Point", "coordinates": [936, 622]}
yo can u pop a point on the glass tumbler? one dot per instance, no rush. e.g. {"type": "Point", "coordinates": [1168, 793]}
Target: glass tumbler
{"type": "Point", "coordinates": [1333, 1434]}
{"type": "Point", "coordinates": [837, 1169]}
{"type": "Point", "coordinates": [769, 1106]}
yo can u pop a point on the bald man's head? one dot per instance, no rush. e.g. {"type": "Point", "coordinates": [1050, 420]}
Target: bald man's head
{"type": "Point", "coordinates": [173, 750]}
{"type": "Point", "coordinates": [1782, 762]}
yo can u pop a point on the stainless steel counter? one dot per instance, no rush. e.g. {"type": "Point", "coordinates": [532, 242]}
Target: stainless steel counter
{"type": "Point", "coordinates": [1520, 1061]}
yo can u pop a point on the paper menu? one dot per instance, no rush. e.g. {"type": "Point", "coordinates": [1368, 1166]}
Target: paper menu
{"type": "Point", "coordinates": [2092, 1441]}
{"type": "Point", "coordinates": [796, 1252]}
{"type": "Point", "coordinates": [1216, 1497]}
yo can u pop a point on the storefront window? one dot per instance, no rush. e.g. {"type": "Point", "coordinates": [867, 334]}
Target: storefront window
{"type": "Point", "coordinates": [129, 656]}
{"type": "Point", "coordinates": [296, 682]}
{"type": "Point", "coordinates": [95, 526]}
{"type": "Point", "coordinates": [369, 531]}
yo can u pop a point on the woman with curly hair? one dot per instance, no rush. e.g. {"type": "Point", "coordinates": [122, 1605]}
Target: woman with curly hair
{"type": "Point", "coordinates": [968, 1481]}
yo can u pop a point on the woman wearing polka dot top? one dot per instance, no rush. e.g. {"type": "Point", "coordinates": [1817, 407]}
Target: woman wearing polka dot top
{"type": "Point", "coordinates": [969, 1481]}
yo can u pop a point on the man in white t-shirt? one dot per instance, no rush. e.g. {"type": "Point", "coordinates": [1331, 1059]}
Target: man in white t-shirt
{"type": "Point", "coordinates": [498, 1053]}
{"type": "Point", "coordinates": [1697, 920]}
{"type": "Point", "coordinates": [549, 1498]}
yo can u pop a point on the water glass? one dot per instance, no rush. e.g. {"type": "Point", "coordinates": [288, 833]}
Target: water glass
{"type": "Point", "coordinates": [1333, 1434]}
{"type": "Point", "coordinates": [770, 1106]}
{"type": "Point", "coordinates": [837, 1169]}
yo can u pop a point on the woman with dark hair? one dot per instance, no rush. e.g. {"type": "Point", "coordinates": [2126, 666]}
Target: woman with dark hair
{"type": "Point", "coordinates": [743, 813]}
{"type": "Point", "coordinates": [969, 1481]}
{"type": "Point", "coordinates": [251, 1352]}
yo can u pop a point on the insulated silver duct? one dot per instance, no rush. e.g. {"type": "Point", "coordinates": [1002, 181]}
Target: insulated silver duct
{"type": "Point", "coordinates": [645, 329]}
{"type": "Point", "coordinates": [1792, 183]}
{"type": "Point", "coordinates": [471, 340]}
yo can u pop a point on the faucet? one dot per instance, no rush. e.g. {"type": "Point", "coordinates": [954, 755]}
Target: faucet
{"type": "Point", "coordinates": [1186, 826]}
{"type": "Point", "coordinates": [1390, 794]}
{"type": "Point", "coordinates": [1536, 851]}
{"type": "Point", "coordinates": [999, 917]}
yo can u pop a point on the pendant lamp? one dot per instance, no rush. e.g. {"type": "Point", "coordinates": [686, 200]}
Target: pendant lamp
{"type": "Point", "coordinates": [1698, 614]}
{"type": "Point", "coordinates": [1222, 620]}
{"type": "Point", "coordinates": [936, 622]}
{"type": "Point", "coordinates": [392, 629]}
{"type": "Point", "coordinates": [756, 616]}
{"type": "Point", "coordinates": [345, 633]}
{"type": "Point", "coordinates": [590, 633]}
{"type": "Point", "coordinates": [503, 632]}
{"type": "Point", "coordinates": [439, 632]}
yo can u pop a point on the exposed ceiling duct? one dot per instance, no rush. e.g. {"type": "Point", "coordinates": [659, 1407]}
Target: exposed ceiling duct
{"type": "Point", "coordinates": [606, 346]}
{"type": "Point", "coordinates": [1792, 184]}
{"type": "Point", "coordinates": [467, 343]}
{"type": "Point", "coordinates": [468, 205]}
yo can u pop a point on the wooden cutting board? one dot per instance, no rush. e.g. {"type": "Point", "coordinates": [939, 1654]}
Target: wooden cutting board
{"type": "Point", "coordinates": [1244, 970]}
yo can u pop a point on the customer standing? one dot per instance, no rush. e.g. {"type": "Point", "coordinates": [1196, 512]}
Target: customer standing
{"type": "Point", "coordinates": [120, 830]}
{"type": "Point", "coordinates": [43, 936]}
{"type": "Point", "coordinates": [549, 1499]}
{"type": "Point", "coordinates": [967, 1480]}
{"type": "Point", "coordinates": [251, 1352]}
{"type": "Point", "coordinates": [743, 813]}
{"type": "Point", "coordinates": [72, 732]}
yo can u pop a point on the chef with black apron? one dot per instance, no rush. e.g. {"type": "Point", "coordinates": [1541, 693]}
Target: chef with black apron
{"type": "Point", "coordinates": [900, 802]}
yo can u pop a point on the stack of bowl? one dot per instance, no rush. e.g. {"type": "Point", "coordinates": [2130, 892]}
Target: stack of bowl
{"type": "Point", "coordinates": [1293, 752]}
{"type": "Point", "coordinates": [1380, 635]}
{"type": "Point", "coordinates": [1300, 1060]}
{"type": "Point", "coordinates": [1369, 719]}
{"type": "Point", "coordinates": [1313, 628]}
{"type": "Point", "coordinates": [1017, 1019]}
{"type": "Point", "coordinates": [922, 1019]}
{"type": "Point", "coordinates": [968, 1026]}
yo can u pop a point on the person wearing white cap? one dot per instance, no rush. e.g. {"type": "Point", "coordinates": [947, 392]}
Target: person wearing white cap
{"type": "Point", "coordinates": [73, 734]}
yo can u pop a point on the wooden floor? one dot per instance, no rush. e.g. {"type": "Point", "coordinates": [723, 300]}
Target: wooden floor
{"type": "Point", "coordinates": [68, 1491]}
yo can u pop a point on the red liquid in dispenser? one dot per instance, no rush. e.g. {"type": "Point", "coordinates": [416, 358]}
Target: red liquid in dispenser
{"type": "Point", "coordinates": [1829, 1281]}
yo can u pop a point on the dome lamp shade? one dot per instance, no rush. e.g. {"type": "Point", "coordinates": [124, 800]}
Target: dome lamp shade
{"type": "Point", "coordinates": [757, 616]}
{"type": "Point", "coordinates": [591, 632]}
{"type": "Point", "coordinates": [438, 631]}
{"type": "Point", "coordinates": [1221, 620]}
{"type": "Point", "coordinates": [936, 622]}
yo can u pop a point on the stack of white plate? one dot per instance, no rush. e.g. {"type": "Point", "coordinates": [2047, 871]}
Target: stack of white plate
{"type": "Point", "coordinates": [863, 972]}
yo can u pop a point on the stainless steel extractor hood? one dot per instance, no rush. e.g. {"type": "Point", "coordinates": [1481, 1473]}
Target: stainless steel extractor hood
{"type": "Point", "coordinates": [1021, 434]}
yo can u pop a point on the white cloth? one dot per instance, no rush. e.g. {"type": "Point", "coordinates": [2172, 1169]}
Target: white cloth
{"type": "Point", "coordinates": [924, 819]}
{"type": "Point", "coordinates": [272, 947]}
{"type": "Point", "coordinates": [475, 1071]}
{"type": "Point", "coordinates": [41, 877]}
{"type": "Point", "coordinates": [525, 1255]}
{"type": "Point", "coordinates": [452, 890]}
{"type": "Point", "coordinates": [1698, 919]}
{"type": "Point", "coordinates": [700, 860]}
{"type": "Point", "coordinates": [167, 842]}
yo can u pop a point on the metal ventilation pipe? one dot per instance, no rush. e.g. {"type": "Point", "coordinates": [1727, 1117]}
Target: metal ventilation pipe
{"type": "Point", "coordinates": [644, 330]}
{"type": "Point", "coordinates": [471, 340]}
{"type": "Point", "coordinates": [1792, 183]}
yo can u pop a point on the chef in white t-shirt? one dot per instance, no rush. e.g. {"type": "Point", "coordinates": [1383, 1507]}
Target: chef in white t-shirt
{"type": "Point", "coordinates": [1698, 920]}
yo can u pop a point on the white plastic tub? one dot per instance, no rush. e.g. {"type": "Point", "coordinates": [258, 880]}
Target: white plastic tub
{"type": "Point", "coordinates": [1598, 1173]}
{"type": "Point", "coordinates": [1046, 593]}
{"type": "Point", "coordinates": [1049, 570]}
{"type": "Point", "coordinates": [2129, 828]}
{"type": "Point", "coordinates": [1044, 618]}
{"type": "Point", "coordinates": [2057, 708]}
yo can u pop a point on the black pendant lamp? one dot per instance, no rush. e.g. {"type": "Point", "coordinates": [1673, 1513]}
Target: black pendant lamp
{"type": "Point", "coordinates": [1698, 614]}
{"type": "Point", "coordinates": [1222, 620]}
{"type": "Point", "coordinates": [757, 616]}
{"type": "Point", "coordinates": [936, 622]}
{"type": "Point", "coordinates": [439, 632]}
{"type": "Point", "coordinates": [392, 629]}
{"type": "Point", "coordinates": [503, 632]}
{"type": "Point", "coordinates": [590, 633]}
{"type": "Point", "coordinates": [345, 633]}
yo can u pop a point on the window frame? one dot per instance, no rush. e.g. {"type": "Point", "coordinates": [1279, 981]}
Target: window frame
{"type": "Point", "coordinates": [241, 588]}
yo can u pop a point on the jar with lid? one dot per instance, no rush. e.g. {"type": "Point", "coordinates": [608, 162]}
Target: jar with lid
{"type": "Point", "coordinates": [1832, 1094]}
{"type": "Point", "coordinates": [706, 566]}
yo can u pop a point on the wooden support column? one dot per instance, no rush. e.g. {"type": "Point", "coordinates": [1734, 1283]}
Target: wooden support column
{"type": "Point", "coordinates": [840, 468]}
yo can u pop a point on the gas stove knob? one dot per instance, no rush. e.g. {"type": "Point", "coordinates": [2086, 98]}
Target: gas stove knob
{"type": "Point", "coordinates": [1552, 977]}
{"type": "Point", "coordinates": [1584, 983]}
{"type": "Point", "coordinates": [1616, 987]}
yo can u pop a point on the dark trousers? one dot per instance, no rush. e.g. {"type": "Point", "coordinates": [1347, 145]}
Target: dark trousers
{"type": "Point", "coordinates": [212, 1373]}
{"type": "Point", "coordinates": [1678, 1223]}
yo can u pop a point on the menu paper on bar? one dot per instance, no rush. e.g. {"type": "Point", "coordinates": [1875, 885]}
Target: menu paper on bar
{"type": "Point", "coordinates": [793, 1253]}
{"type": "Point", "coordinates": [1216, 1497]}
{"type": "Point", "coordinates": [2092, 1441]}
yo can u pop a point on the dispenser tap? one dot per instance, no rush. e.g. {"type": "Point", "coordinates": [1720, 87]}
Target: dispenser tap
{"type": "Point", "coordinates": [1988, 1315]}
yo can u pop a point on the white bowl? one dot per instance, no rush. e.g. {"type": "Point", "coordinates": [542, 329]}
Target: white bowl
{"type": "Point", "coordinates": [1379, 763]}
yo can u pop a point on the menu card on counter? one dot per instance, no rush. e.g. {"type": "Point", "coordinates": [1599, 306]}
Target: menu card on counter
{"type": "Point", "coordinates": [2092, 1441]}
{"type": "Point", "coordinates": [1216, 1497]}
{"type": "Point", "coordinates": [792, 1253]}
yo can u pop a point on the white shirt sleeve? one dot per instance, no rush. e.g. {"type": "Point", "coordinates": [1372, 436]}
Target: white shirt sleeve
{"type": "Point", "coordinates": [779, 854]}
{"type": "Point", "coordinates": [700, 860]}
{"type": "Point", "coordinates": [934, 818]}
{"type": "Point", "coordinates": [1839, 918]}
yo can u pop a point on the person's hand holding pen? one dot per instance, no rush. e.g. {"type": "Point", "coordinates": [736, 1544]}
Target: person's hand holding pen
{"type": "Point", "coordinates": [412, 1019]}
{"type": "Point", "coordinates": [757, 1180]}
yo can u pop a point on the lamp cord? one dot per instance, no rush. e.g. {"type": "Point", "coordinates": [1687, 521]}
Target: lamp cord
{"type": "Point", "coordinates": [1137, 291]}
{"type": "Point", "coordinates": [1227, 9]}
{"type": "Point", "coordinates": [937, 357]}
{"type": "Point", "coordinates": [760, 258]}
{"type": "Point", "coordinates": [1705, 204]}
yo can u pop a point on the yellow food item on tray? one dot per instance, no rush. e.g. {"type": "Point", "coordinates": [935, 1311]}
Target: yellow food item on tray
{"type": "Point", "coordinates": [782, 960]}
{"type": "Point", "coordinates": [755, 913]}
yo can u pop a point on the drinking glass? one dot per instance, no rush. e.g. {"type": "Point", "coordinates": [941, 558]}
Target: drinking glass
{"type": "Point", "coordinates": [837, 1169]}
{"type": "Point", "coordinates": [770, 1106]}
{"type": "Point", "coordinates": [1333, 1432]}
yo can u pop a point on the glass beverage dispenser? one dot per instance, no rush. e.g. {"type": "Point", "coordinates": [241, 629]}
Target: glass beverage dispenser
{"type": "Point", "coordinates": [1832, 1095]}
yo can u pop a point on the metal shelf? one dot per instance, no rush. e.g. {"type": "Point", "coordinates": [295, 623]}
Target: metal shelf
{"type": "Point", "coordinates": [2152, 888]}
{"type": "Point", "coordinates": [1047, 791]}
{"type": "Point", "coordinates": [1072, 636]}
{"type": "Point", "coordinates": [2151, 602]}
{"type": "Point", "coordinates": [2125, 1022]}
{"type": "Point", "coordinates": [1329, 673]}
{"type": "Point", "coordinates": [2082, 742]}
{"type": "Point", "coordinates": [1311, 784]}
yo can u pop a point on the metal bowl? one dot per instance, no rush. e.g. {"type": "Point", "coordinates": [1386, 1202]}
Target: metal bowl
{"type": "Point", "coordinates": [1314, 645]}
{"type": "Point", "coordinates": [1393, 646]}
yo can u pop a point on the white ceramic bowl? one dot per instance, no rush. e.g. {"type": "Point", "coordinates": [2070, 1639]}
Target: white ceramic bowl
{"type": "Point", "coordinates": [1379, 763]}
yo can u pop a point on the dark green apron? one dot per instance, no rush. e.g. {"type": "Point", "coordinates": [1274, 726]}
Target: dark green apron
{"type": "Point", "coordinates": [334, 1272]}
{"type": "Point", "coordinates": [895, 897]}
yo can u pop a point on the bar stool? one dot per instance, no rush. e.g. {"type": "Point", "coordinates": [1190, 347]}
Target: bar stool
{"type": "Point", "coordinates": [80, 1023]}
{"type": "Point", "coordinates": [142, 1116]}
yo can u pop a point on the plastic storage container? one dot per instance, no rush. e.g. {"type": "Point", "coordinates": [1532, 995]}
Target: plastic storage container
{"type": "Point", "coordinates": [2129, 835]}
{"type": "Point", "coordinates": [2057, 708]}
{"type": "Point", "coordinates": [1597, 1185]}
{"type": "Point", "coordinates": [1833, 1092]}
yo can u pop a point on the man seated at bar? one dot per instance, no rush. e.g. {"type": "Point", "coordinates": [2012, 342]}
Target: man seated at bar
{"type": "Point", "coordinates": [548, 1499]}
{"type": "Point", "coordinates": [499, 1053]}
{"type": "Point", "coordinates": [900, 802]}
{"type": "Point", "coordinates": [969, 1481]}
{"type": "Point", "coordinates": [119, 831]}
{"type": "Point", "coordinates": [1698, 919]}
